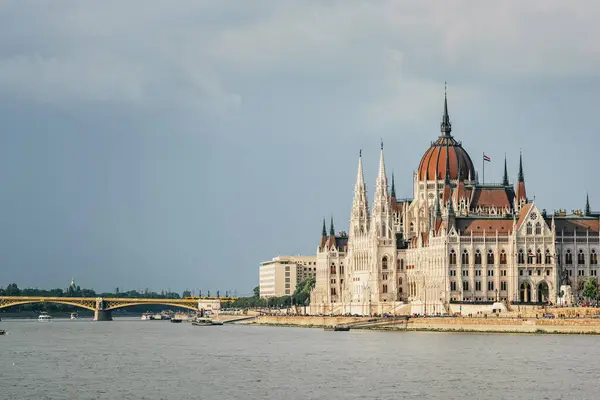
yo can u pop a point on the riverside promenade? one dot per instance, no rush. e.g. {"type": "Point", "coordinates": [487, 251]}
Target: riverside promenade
{"type": "Point", "coordinates": [554, 320]}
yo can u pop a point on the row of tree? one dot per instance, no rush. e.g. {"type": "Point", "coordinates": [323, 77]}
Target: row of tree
{"type": "Point", "coordinates": [301, 296]}
{"type": "Point", "coordinates": [76, 291]}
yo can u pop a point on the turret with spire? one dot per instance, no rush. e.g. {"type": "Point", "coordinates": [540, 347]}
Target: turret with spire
{"type": "Point", "coordinates": [331, 240]}
{"type": "Point", "coordinates": [323, 236]}
{"type": "Point", "coordinates": [588, 209]}
{"type": "Point", "coordinates": [521, 194]}
{"type": "Point", "coordinates": [359, 218]}
{"type": "Point", "coordinates": [505, 177]}
{"type": "Point", "coordinates": [381, 213]}
{"type": "Point", "coordinates": [445, 126]}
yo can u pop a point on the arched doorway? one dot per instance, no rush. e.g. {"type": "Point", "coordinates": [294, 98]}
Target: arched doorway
{"type": "Point", "coordinates": [525, 292]}
{"type": "Point", "coordinates": [542, 294]}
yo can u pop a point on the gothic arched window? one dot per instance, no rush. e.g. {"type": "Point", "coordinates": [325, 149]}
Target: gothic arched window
{"type": "Point", "coordinates": [452, 257]}
{"type": "Point", "coordinates": [529, 228]}
{"type": "Point", "coordinates": [490, 257]}
{"type": "Point", "coordinates": [568, 258]}
{"type": "Point", "coordinates": [538, 257]}
{"type": "Point", "coordinates": [548, 257]}
{"type": "Point", "coordinates": [538, 229]}
{"type": "Point", "coordinates": [594, 258]}
{"type": "Point", "coordinates": [477, 257]}
{"type": "Point", "coordinates": [384, 263]}
{"type": "Point", "coordinates": [465, 257]}
{"type": "Point", "coordinates": [580, 258]}
{"type": "Point", "coordinates": [503, 257]}
{"type": "Point", "coordinates": [521, 259]}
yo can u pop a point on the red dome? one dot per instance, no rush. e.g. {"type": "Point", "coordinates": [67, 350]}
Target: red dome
{"type": "Point", "coordinates": [434, 160]}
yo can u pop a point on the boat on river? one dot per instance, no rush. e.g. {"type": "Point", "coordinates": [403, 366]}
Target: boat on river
{"type": "Point", "coordinates": [205, 322]}
{"type": "Point", "coordinates": [147, 316]}
{"type": "Point", "coordinates": [74, 315]}
{"type": "Point", "coordinates": [44, 317]}
{"type": "Point", "coordinates": [2, 332]}
{"type": "Point", "coordinates": [176, 320]}
{"type": "Point", "coordinates": [337, 328]}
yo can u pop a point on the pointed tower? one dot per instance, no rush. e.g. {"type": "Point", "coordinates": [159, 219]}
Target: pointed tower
{"type": "Point", "coordinates": [359, 218]}
{"type": "Point", "coordinates": [331, 240]}
{"type": "Point", "coordinates": [323, 236]}
{"type": "Point", "coordinates": [381, 213]}
{"type": "Point", "coordinates": [393, 188]}
{"type": "Point", "coordinates": [521, 194]}
{"type": "Point", "coordinates": [445, 126]}
{"type": "Point", "coordinates": [505, 178]}
{"type": "Point", "coordinates": [450, 217]}
{"type": "Point", "coordinates": [588, 209]}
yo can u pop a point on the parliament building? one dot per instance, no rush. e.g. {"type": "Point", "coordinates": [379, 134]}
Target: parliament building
{"type": "Point", "coordinates": [456, 242]}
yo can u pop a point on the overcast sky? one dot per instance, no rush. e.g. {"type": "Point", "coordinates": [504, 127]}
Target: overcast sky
{"type": "Point", "coordinates": [177, 144]}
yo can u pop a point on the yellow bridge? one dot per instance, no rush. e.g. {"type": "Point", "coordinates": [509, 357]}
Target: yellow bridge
{"type": "Point", "coordinates": [102, 307]}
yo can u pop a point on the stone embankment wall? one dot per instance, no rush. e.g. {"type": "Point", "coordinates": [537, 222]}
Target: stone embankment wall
{"type": "Point", "coordinates": [307, 321]}
{"type": "Point", "coordinates": [448, 324]}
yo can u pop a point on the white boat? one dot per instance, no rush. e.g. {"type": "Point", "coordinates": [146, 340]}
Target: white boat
{"type": "Point", "coordinates": [147, 316]}
{"type": "Point", "coordinates": [74, 315]}
{"type": "Point", "coordinates": [44, 316]}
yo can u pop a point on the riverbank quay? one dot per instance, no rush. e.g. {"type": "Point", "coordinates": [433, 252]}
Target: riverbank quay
{"type": "Point", "coordinates": [494, 324]}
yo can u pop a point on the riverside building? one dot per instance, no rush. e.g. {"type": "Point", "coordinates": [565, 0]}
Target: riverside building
{"type": "Point", "coordinates": [279, 276]}
{"type": "Point", "coordinates": [456, 241]}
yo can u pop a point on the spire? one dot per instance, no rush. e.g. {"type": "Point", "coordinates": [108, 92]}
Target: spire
{"type": "Point", "coordinates": [505, 178]}
{"type": "Point", "coordinates": [438, 209]}
{"type": "Point", "coordinates": [521, 177]}
{"type": "Point", "coordinates": [450, 206]}
{"type": "Point", "coordinates": [381, 198]}
{"type": "Point", "coordinates": [393, 186]}
{"type": "Point", "coordinates": [381, 174]}
{"type": "Point", "coordinates": [323, 237]}
{"type": "Point", "coordinates": [331, 230]}
{"type": "Point", "coordinates": [446, 127]}
{"type": "Point", "coordinates": [360, 209]}
{"type": "Point", "coordinates": [360, 177]}
{"type": "Point", "coordinates": [588, 210]}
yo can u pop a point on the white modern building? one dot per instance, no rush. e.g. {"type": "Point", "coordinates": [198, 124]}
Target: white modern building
{"type": "Point", "coordinates": [279, 276]}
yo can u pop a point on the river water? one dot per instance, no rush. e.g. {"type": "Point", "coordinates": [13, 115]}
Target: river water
{"type": "Point", "coordinates": [132, 359]}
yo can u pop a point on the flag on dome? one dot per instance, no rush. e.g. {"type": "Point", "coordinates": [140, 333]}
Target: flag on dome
{"type": "Point", "coordinates": [486, 158]}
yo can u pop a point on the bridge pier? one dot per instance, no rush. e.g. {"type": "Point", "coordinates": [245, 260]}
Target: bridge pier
{"type": "Point", "coordinates": [102, 315]}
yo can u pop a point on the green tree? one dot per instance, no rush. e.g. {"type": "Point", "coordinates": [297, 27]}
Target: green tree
{"type": "Point", "coordinates": [590, 288]}
{"type": "Point", "coordinates": [302, 293]}
{"type": "Point", "coordinates": [186, 293]}
{"type": "Point", "coordinates": [12, 290]}
{"type": "Point", "coordinates": [257, 292]}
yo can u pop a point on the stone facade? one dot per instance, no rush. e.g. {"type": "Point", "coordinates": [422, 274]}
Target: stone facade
{"type": "Point", "coordinates": [456, 241]}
